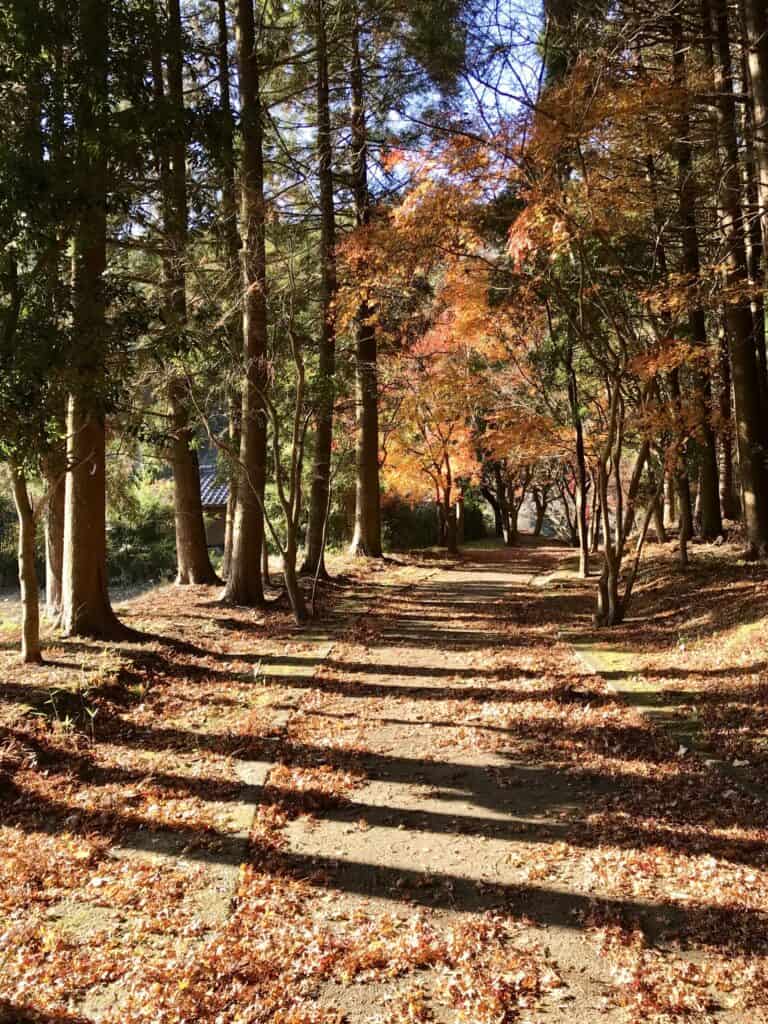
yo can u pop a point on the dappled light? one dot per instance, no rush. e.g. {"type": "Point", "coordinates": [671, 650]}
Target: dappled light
{"type": "Point", "coordinates": [386, 811]}
{"type": "Point", "coordinates": [383, 512]}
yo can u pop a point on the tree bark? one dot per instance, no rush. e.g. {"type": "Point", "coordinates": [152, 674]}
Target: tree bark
{"type": "Point", "coordinates": [729, 495]}
{"type": "Point", "coordinates": [608, 602]}
{"type": "Point", "coordinates": [192, 558]}
{"type": "Point", "coordinates": [753, 235]}
{"type": "Point", "coordinates": [658, 520]}
{"type": "Point", "coordinates": [492, 500]}
{"type": "Point", "coordinates": [711, 524]}
{"type": "Point", "coordinates": [293, 588]}
{"type": "Point", "coordinates": [265, 561]}
{"type": "Point", "coordinates": [231, 245]}
{"type": "Point", "coordinates": [581, 467]}
{"type": "Point", "coordinates": [86, 610]}
{"type": "Point", "coordinates": [756, 24]}
{"type": "Point", "coordinates": [670, 500]}
{"type": "Point", "coordinates": [595, 525]}
{"type": "Point", "coordinates": [54, 472]}
{"type": "Point", "coordinates": [235, 412]}
{"type": "Point", "coordinates": [461, 523]}
{"type": "Point", "coordinates": [245, 586]}
{"type": "Point", "coordinates": [321, 468]}
{"type": "Point", "coordinates": [508, 534]}
{"type": "Point", "coordinates": [750, 428]}
{"type": "Point", "coordinates": [367, 536]}
{"type": "Point", "coordinates": [541, 503]}
{"type": "Point", "coordinates": [451, 528]}
{"type": "Point", "coordinates": [30, 601]}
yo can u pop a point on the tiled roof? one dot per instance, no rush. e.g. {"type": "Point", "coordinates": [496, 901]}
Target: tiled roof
{"type": "Point", "coordinates": [214, 491]}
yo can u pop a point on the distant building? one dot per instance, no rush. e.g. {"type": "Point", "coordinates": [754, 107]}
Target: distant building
{"type": "Point", "coordinates": [214, 494]}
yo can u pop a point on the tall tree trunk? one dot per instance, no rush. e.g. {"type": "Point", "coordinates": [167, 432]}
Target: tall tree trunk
{"type": "Point", "coordinates": [265, 561]}
{"type": "Point", "coordinates": [751, 429]}
{"type": "Point", "coordinates": [685, 517]}
{"type": "Point", "coordinates": [539, 523]}
{"type": "Point", "coordinates": [492, 500]}
{"type": "Point", "coordinates": [367, 536]}
{"type": "Point", "coordinates": [753, 235]}
{"type": "Point", "coordinates": [230, 235]}
{"type": "Point", "coordinates": [235, 413]}
{"type": "Point", "coordinates": [54, 472]}
{"type": "Point", "coordinates": [756, 24]}
{"type": "Point", "coordinates": [192, 559]}
{"type": "Point", "coordinates": [86, 610]}
{"type": "Point", "coordinates": [729, 495]}
{"type": "Point", "coordinates": [670, 500]}
{"type": "Point", "coordinates": [451, 527]}
{"type": "Point", "coordinates": [503, 493]}
{"type": "Point", "coordinates": [230, 245]}
{"type": "Point", "coordinates": [608, 601]}
{"type": "Point", "coordinates": [514, 517]}
{"type": "Point", "coordinates": [711, 524]}
{"type": "Point", "coordinates": [321, 468]}
{"type": "Point", "coordinates": [245, 585]}
{"type": "Point", "coordinates": [30, 599]}
{"type": "Point", "coordinates": [681, 478]}
{"type": "Point", "coordinates": [595, 525]}
{"type": "Point", "coordinates": [581, 468]}
{"type": "Point", "coordinates": [658, 515]}
{"type": "Point", "coordinates": [292, 585]}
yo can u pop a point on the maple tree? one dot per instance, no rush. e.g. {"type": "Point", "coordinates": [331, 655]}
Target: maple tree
{"type": "Point", "coordinates": [430, 450]}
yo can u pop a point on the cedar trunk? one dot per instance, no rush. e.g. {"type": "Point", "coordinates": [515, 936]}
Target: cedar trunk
{"type": "Point", "coordinates": [53, 472]}
{"type": "Point", "coordinates": [756, 23]}
{"type": "Point", "coordinates": [729, 494]}
{"type": "Point", "coordinates": [244, 585]}
{"type": "Point", "coordinates": [192, 559]}
{"type": "Point", "coordinates": [711, 523]}
{"type": "Point", "coordinates": [753, 235]}
{"type": "Point", "coordinates": [30, 600]}
{"type": "Point", "coordinates": [321, 468]}
{"type": "Point", "coordinates": [230, 244]}
{"type": "Point", "coordinates": [86, 610]}
{"type": "Point", "coordinates": [750, 425]}
{"type": "Point", "coordinates": [367, 536]}
{"type": "Point", "coordinates": [235, 413]}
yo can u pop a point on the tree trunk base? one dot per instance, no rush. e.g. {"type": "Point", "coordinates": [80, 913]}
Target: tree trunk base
{"type": "Point", "coordinates": [754, 553]}
{"type": "Point", "coordinates": [206, 579]}
{"type": "Point", "coordinates": [359, 550]}
{"type": "Point", "coordinates": [113, 631]}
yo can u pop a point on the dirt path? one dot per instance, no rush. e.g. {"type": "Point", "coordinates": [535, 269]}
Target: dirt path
{"type": "Point", "coordinates": [493, 778]}
{"type": "Point", "coordinates": [453, 821]}
{"type": "Point", "coordinates": [450, 815]}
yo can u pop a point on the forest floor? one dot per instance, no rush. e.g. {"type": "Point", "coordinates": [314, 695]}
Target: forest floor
{"type": "Point", "coordinates": [449, 800]}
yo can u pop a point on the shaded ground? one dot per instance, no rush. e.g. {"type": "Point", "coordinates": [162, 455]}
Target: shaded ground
{"type": "Point", "coordinates": [454, 819]}
{"type": "Point", "coordinates": [694, 653]}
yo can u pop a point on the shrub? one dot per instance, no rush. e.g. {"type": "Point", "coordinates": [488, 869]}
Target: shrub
{"type": "Point", "coordinates": [8, 534]}
{"type": "Point", "coordinates": [143, 547]}
{"type": "Point", "coordinates": [405, 526]}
